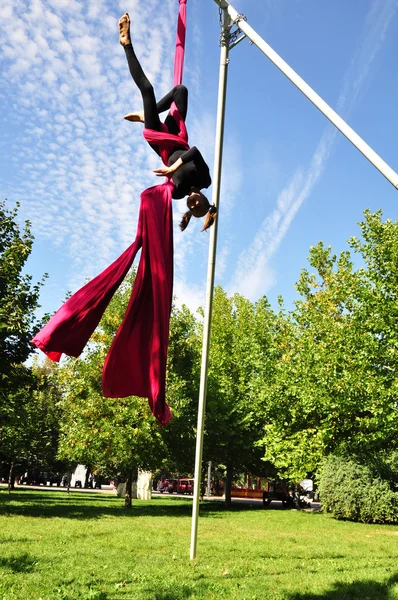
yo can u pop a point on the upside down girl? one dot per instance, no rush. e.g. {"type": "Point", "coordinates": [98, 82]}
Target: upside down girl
{"type": "Point", "coordinates": [187, 168]}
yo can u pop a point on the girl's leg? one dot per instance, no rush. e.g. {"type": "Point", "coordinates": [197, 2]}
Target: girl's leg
{"type": "Point", "coordinates": [151, 116]}
{"type": "Point", "coordinates": [179, 95]}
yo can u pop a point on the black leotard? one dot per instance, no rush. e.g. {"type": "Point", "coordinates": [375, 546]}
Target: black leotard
{"type": "Point", "coordinates": [194, 172]}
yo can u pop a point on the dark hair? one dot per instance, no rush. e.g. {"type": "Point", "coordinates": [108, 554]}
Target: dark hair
{"type": "Point", "coordinates": [185, 220]}
{"type": "Point", "coordinates": [209, 218]}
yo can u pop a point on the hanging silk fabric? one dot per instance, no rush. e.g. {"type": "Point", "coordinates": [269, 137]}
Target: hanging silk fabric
{"type": "Point", "coordinates": [136, 362]}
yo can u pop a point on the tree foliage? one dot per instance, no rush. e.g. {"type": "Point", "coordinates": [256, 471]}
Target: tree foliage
{"type": "Point", "coordinates": [19, 298]}
{"type": "Point", "coordinates": [113, 436]}
{"type": "Point", "coordinates": [285, 389]}
{"type": "Point", "coordinates": [23, 417]}
{"type": "Point", "coordinates": [352, 491]}
{"type": "Point", "coordinates": [31, 417]}
{"type": "Point", "coordinates": [336, 385]}
{"type": "Point", "coordinates": [241, 362]}
{"type": "Point", "coordinates": [182, 385]}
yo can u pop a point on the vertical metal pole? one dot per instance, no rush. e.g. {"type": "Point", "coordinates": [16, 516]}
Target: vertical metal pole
{"type": "Point", "coordinates": [209, 479]}
{"type": "Point", "coordinates": [222, 88]}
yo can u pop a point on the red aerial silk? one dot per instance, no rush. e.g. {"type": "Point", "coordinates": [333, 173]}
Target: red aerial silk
{"type": "Point", "coordinates": [136, 362]}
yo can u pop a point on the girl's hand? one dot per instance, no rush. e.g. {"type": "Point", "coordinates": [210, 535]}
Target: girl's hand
{"type": "Point", "coordinates": [168, 171]}
{"type": "Point", "coordinates": [164, 171]}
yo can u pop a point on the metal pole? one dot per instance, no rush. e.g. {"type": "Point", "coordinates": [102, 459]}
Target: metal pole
{"type": "Point", "coordinates": [337, 121]}
{"type": "Point", "coordinates": [222, 89]}
{"type": "Point", "coordinates": [209, 479]}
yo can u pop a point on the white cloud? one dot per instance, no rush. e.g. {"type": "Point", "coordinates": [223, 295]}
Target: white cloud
{"type": "Point", "coordinates": [193, 296]}
{"type": "Point", "coordinates": [80, 168]}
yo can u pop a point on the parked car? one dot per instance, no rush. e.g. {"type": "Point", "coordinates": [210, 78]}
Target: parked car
{"type": "Point", "coordinates": [185, 486]}
{"type": "Point", "coordinates": [180, 486]}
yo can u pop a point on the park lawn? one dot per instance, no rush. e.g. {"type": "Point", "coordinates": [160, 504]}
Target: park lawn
{"type": "Point", "coordinates": [87, 546]}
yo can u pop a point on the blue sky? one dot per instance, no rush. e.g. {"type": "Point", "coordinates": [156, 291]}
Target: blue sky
{"type": "Point", "coordinates": [289, 178]}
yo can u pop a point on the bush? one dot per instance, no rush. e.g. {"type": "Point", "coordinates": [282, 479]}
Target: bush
{"type": "Point", "coordinates": [351, 491]}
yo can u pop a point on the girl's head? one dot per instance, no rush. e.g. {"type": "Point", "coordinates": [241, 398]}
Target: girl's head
{"type": "Point", "coordinates": [199, 206]}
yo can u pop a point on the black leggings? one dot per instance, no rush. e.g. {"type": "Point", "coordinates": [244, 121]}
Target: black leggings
{"type": "Point", "coordinates": [178, 94]}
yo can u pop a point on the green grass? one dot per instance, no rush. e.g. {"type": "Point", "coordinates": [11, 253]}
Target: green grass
{"type": "Point", "coordinates": [87, 546]}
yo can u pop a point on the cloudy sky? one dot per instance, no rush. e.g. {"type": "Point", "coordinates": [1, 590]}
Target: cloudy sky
{"type": "Point", "coordinates": [289, 178]}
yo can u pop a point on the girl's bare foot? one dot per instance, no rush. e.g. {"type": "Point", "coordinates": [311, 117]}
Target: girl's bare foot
{"type": "Point", "coordinates": [124, 29]}
{"type": "Point", "coordinates": [137, 116]}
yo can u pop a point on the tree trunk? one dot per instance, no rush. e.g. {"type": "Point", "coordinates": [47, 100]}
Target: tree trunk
{"type": "Point", "coordinates": [86, 479]}
{"type": "Point", "coordinates": [128, 492]}
{"type": "Point", "coordinates": [11, 478]}
{"type": "Point", "coordinates": [227, 487]}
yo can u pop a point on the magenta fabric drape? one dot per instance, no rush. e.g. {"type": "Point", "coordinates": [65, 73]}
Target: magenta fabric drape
{"type": "Point", "coordinates": [180, 43]}
{"type": "Point", "coordinates": [136, 362]}
{"type": "Point", "coordinates": [158, 137]}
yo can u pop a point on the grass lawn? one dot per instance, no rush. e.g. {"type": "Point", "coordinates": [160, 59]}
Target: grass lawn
{"type": "Point", "coordinates": [87, 546]}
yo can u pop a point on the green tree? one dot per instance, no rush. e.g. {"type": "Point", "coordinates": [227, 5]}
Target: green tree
{"type": "Point", "coordinates": [182, 385]}
{"type": "Point", "coordinates": [335, 388]}
{"type": "Point", "coordinates": [113, 436]}
{"type": "Point", "coordinates": [241, 362]}
{"type": "Point", "coordinates": [19, 299]}
{"type": "Point", "coordinates": [31, 416]}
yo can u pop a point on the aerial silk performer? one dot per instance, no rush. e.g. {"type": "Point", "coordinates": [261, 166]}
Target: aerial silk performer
{"type": "Point", "coordinates": [185, 166]}
{"type": "Point", "coordinates": [136, 362]}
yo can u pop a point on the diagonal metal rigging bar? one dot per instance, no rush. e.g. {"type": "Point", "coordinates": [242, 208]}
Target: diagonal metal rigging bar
{"type": "Point", "coordinates": [333, 117]}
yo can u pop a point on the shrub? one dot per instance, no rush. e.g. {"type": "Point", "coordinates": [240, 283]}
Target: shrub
{"type": "Point", "coordinates": [351, 491]}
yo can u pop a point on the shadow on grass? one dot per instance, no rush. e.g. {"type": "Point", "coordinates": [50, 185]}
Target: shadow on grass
{"type": "Point", "coordinates": [24, 563]}
{"type": "Point", "coordinates": [176, 592]}
{"type": "Point", "coordinates": [29, 503]}
{"type": "Point", "coordinates": [73, 592]}
{"type": "Point", "coordinates": [11, 540]}
{"type": "Point", "coordinates": [358, 590]}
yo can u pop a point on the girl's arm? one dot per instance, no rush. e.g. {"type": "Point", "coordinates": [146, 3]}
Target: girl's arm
{"type": "Point", "coordinates": [191, 154]}
{"type": "Point", "coordinates": [165, 171]}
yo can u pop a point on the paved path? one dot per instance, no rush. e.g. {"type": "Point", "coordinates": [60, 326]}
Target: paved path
{"type": "Point", "coordinates": [109, 489]}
